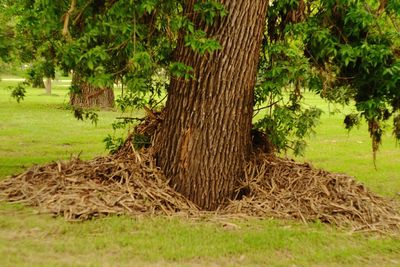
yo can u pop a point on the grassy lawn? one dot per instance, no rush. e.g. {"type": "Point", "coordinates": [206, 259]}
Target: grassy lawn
{"type": "Point", "coordinates": [335, 149]}
{"type": "Point", "coordinates": [40, 129]}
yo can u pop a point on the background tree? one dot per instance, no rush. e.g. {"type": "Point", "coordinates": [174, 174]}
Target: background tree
{"type": "Point", "coordinates": [35, 48]}
{"type": "Point", "coordinates": [42, 45]}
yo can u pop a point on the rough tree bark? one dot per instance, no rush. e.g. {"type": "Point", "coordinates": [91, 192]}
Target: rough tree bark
{"type": "Point", "coordinates": [89, 95]}
{"type": "Point", "coordinates": [205, 139]}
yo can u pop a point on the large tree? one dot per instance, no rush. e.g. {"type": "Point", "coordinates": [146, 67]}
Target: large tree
{"type": "Point", "coordinates": [222, 59]}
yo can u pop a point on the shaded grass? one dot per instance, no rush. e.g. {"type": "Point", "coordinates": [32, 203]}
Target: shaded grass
{"type": "Point", "coordinates": [38, 239]}
{"type": "Point", "coordinates": [41, 129]}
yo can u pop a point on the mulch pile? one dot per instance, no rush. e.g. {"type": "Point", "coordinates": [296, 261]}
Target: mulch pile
{"type": "Point", "coordinates": [130, 183]}
{"type": "Point", "coordinates": [283, 188]}
{"type": "Point", "coordinates": [80, 190]}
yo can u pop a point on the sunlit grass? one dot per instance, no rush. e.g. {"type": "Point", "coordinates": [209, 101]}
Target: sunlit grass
{"type": "Point", "coordinates": [336, 149]}
{"type": "Point", "coordinates": [41, 128]}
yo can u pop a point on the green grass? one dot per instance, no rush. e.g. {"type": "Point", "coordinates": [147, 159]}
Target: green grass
{"type": "Point", "coordinates": [336, 149]}
{"type": "Point", "coordinates": [28, 239]}
{"type": "Point", "coordinates": [40, 129]}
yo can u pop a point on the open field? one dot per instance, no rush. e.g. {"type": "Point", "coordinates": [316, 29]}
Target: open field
{"type": "Point", "coordinates": [40, 129]}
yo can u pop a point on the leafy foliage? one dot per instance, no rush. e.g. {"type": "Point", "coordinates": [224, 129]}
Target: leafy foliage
{"type": "Point", "coordinates": [396, 126]}
{"type": "Point", "coordinates": [360, 44]}
{"type": "Point", "coordinates": [285, 73]}
{"type": "Point", "coordinates": [345, 51]}
{"type": "Point", "coordinates": [18, 92]}
{"type": "Point", "coordinates": [7, 33]}
{"type": "Point", "coordinates": [113, 144]}
{"type": "Point", "coordinates": [83, 114]}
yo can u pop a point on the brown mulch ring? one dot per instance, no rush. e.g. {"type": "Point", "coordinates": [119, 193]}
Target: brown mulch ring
{"type": "Point", "coordinates": [130, 183]}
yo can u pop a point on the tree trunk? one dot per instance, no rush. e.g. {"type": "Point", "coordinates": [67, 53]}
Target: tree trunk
{"type": "Point", "coordinates": [48, 86]}
{"type": "Point", "coordinates": [86, 95]}
{"type": "Point", "coordinates": [205, 139]}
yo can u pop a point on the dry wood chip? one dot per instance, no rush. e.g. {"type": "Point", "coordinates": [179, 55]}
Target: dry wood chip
{"type": "Point", "coordinates": [130, 183]}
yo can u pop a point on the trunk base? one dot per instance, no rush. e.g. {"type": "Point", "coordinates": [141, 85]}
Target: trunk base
{"type": "Point", "coordinates": [278, 187]}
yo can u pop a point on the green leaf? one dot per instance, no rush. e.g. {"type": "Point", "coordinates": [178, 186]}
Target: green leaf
{"type": "Point", "coordinates": [179, 69]}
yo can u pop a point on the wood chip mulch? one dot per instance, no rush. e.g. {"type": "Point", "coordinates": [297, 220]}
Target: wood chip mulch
{"type": "Point", "coordinates": [284, 188]}
{"type": "Point", "coordinates": [130, 183]}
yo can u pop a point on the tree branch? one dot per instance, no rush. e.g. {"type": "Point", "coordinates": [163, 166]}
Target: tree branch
{"type": "Point", "coordinates": [65, 31]}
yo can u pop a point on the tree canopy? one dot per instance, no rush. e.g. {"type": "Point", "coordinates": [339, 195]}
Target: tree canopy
{"type": "Point", "coordinates": [346, 51]}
